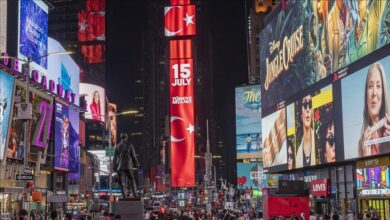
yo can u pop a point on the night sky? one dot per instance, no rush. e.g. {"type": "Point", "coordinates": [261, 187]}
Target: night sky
{"type": "Point", "coordinates": [125, 23]}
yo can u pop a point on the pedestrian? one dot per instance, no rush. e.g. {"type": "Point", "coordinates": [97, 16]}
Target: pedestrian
{"type": "Point", "coordinates": [23, 214]}
{"type": "Point", "coordinates": [53, 215]}
{"type": "Point", "coordinates": [68, 216]}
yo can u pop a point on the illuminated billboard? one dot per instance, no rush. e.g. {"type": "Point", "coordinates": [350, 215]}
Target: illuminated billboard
{"type": "Point", "coordinates": [182, 123]}
{"type": "Point", "coordinates": [310, 130]}
{"type": "Point", "coordinates": [3, 26]}
{"type": "Point", "coordinates": [248, 122]}
{"type": "Point", "coordinates": [112, 111]}
{"type": "Point", "coordinates": [61, 137]}
{"type": "Point", "coordinates": [33, 32]}
{"type": "Point", "coordinates": [179, 20]}
{"type": "Point", "coordinates": [309, 40]}
{"type": "Point", "coordinates": [103, 161]}
{"type": "Point", "coordinates": [6, 91]}
{"type": "Point", "coordinates": [96, 101]}
{"type": "Point", "coordinates": [63, 70]}
{"type": "Point", "coordinates": [366, 110]}
{"type": "Point", "coordinates": [40, 127]}
{"type": "Point", "coordinates": [74, 140]}
{"type": "Point", "coordinates": [249, 175]}
{"type": "Point", "coordinates": [274, 142]}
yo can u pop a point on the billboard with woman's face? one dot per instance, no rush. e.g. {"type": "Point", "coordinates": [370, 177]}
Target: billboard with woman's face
{"type": "Point", "coordinates": [274, 142]}
{"type": "Point", "coordinates": [95, 101]}
{"type": "Point", "coordinates": [366, 113]}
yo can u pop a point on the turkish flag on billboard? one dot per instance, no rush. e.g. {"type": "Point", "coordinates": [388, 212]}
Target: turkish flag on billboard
{"type": "Point", "coordinates": [93, 53]}
{"type": "Point", "coordinates": [180, 49]}
{"type": "Point", "coordinates": [179, 20]}
{"type": "Point", "coordinates": [182, 123]}
{"type": "Point", "coordinates": [92, 26]}
{"type": "Point", "coordinates": [180, 2]}
{"type": "Point", "coordinates": [96, 5]}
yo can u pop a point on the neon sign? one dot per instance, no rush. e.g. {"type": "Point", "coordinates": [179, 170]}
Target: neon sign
{"type": "Point", "coordinates": [49, 85]}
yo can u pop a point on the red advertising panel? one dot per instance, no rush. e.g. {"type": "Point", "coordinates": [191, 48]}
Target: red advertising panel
{"type": "Point", "coordinates": [320, 187]}
{"type": "Point", "coordinates": [180, 2]}
{"type": "Point", "coordinates": [92, 26]}
{"type": "Point", "coordinates": [179, 20]}
{"type": "Point", "coordinates": [291, 205]}
{"type": "Point", "coordinates": [180, 49]}
{"type": "Point", "coordinates": [182, 123]}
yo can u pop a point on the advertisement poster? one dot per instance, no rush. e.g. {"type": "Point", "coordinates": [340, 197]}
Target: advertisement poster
{"type": "Point", "coordinates": [112, 111]}
{"type": "Point", "coordinates": [33, 31]}
{"type": "Point", "coordinates": [74, 147]}
{"type": "Point", "coordinates": [3, 26]}
{"type": "Point", "coordinates": [274, 141]}
{"type": "Point", "coordinates": [309, 40]}
{"type": "Point", "coordinates": [6, 91]}
{"type": "Point", "coordinates": [95, 98]}
{"type": "Point", "coordinates": [249, 175]}
{"type": "Point", "coordinates": [62, 69]}
{"type": "Point", "coordinates": [40, 126]}
{"type": "Point", "coordinates": [61, 137]}
{"type": "Point", "coordinates": [373, 178]}
{"type": "Point", "coordinates": [310, 130]}
{"type": "Point", "coordinates": [291, 205]}
{"type": "Point", "coordinates": [365, 104]}
{"type": "Point", "coordinates": [248, 122]}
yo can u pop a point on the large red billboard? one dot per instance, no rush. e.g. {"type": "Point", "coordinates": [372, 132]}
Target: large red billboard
{"type": "Point", "coordinates": [179, 20]}
{"type": "Point", "coordinates": [182, 123]}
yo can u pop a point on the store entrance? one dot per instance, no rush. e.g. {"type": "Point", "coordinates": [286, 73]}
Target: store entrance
{"type": "Point", "coordinates": [322, 207]}
{"type": "Point", "coordinates": [381, 206]}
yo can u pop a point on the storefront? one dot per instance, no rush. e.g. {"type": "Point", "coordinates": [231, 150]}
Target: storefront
{"type": "Point", "coordinates": [373, 185]}
{"type": "Point", "coordinates": [320, 190]}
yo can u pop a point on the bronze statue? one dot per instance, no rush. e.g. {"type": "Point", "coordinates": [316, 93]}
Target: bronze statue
{"type": "Point", "coordinates": [124, 162]}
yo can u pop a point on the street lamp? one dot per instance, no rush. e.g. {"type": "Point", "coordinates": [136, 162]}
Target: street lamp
{"type": "Point", "coordinates": [27, 101]}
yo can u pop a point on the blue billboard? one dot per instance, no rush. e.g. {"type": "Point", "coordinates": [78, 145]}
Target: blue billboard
{"type": "Point", "coordinates": [248, 122]}
{"type": "Point", "coordinates": [61, 137]}
{"type": "Point", "coordinates": [6, 91]}
{"type": "Point", "coordinates": [33, 30]}
{"type": "Point", "coordinates": [249, 175]}
{"type": "Point", "coordinates": [74, 150]}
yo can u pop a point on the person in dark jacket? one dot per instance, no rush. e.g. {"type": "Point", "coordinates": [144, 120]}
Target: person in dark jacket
{"type": "Point", "coordinates": [124, 162]}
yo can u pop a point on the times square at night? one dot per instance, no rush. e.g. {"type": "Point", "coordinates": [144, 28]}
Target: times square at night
{"type": "Point", "coordinates": [194, 109]}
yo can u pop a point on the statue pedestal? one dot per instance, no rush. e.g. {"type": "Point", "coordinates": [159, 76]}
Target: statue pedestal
{"type": "Point", "coordinates": [132, 208]}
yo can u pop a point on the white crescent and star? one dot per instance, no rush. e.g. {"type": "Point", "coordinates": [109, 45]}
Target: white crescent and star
{"type": "Point", "coordinates": [188, 20]}
{"type": "Point", "coordinates": [190, 129]}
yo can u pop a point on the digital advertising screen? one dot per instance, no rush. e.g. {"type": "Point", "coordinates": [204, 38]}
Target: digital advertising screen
{"type": "Point", "coordinates": [39, 127]}
{"type": "Point", "coordinates": [365, 105]}
{"type": "Point", "coordinates": [103, 161]}
{"type": "Point", "coordinates": [248, 122]}
{"type": "Point", "coordinates": [6, 91]}
{"type": "Point", "coordinates": [249, 175]}
{"type": "Point", "coordinates": [274, 139]}
{"type": "Point", "coordinates": [3, 26]}
{"type": "Point", "coordinates": [95, 98]}
{"type": "Point", "coordinates": [33, 32]}
{"type": "Point", "coordinates": [309, 40]}
{"type": "Point", "coordinates": [61, 137]}
{"type": "Point", "coordinates": [112, 111]}
{"type": "Point", "coordinates": [310, 130]}
{"type": "Point", "coordinates": [62, 69]}
{"type": "Point", "coordinates": [374, 181]}
{"type": "Point", "coordinates": [74, 138]}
